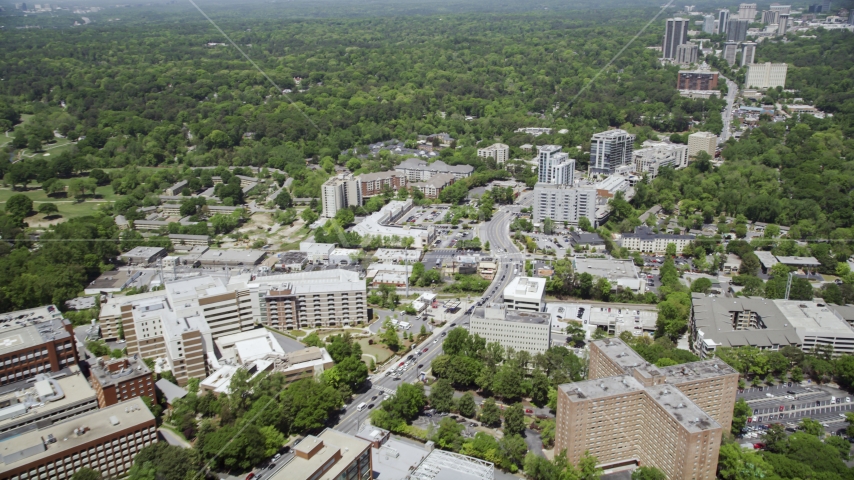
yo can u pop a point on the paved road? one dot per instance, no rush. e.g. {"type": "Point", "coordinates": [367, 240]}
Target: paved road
{"type": "Point", "coordinates": [172, 438]}
{"type": "Point", "coordinates": [732, 91]}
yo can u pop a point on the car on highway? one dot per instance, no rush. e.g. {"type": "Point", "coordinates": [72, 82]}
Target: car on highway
{"type": "Point", "coordinates": [444, 334]}
{"type": "Point", "coordinates": [421, 365]}
{"type": "Point", "coordinates": [424, 351]}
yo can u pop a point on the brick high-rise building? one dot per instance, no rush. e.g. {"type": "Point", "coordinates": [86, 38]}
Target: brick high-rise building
{"type": "Point", "coordinates": [630, 411]}
{"type": "Point", "coordinates": [35, 341]}
{"type": "Point", "coordinates": [373, 184]}
{"type": "Point", "coordinates": [701, 79]}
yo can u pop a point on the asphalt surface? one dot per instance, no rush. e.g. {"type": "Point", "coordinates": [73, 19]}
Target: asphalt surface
{"type": "Point", "coordinates": [732, 91]}
{"type": "Point", "coordinates": [790, 403]}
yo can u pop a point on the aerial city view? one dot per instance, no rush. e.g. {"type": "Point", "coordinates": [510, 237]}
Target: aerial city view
{"type": "Point", "coordinates": [433, 240]}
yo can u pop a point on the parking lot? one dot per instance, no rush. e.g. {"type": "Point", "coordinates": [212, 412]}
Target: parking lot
{"type": "Point", "coordinates": [789, 403]}
{"type": "Point", "coordinates": [448, 237]}
{"type": "Point", "coordinates": [424, 215]}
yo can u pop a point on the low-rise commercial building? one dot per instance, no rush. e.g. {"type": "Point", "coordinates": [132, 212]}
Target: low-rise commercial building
{"type": "Point", "coordinates": [397, 255]}
{"type": "Point", "coordinates": [34, 341]}
{"type": "Point", "coordinates": [231, 258]}
{"type": "Point", "coordinates": [382, 223]}
{"type": "Point", "coordinates": [767, 325]}
{"type": "Point", "coordinates": [176, 189]}
{"type": "Point", "coordinates": [143, 255]}
{"type": "Point", "coordinates": [440, 465]}
{"type": "Point", "coordinates": [118, 380]}
{"type": "Point", "coordinates": [525, 293]}
{"type": "Point", "coordinates": [331, 455]}
{"type": "Point", "coordinates": [520, 330]}
{"type": "Point", "coordinates": [645, 240]}
{"type": "Point", "coordinates": [112, 281]}
{"type": "Point", "coordinates": [621, 274]}
{"type": "Point", "coordinates": [317, 252]}
{"type": "Point", "coordinates": [630, 411]}
{"type": "Point", "coordinates": [104, 440]}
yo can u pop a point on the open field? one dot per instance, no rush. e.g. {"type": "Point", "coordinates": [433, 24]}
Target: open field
{"type": "Point", "coordinates": [377, 350]}
{"type": "Point", "coordinates": [68, 207]}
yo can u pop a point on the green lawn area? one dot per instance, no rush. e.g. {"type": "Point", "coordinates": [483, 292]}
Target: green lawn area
{"type": "Point", "coordinates": [68, 207]}
{"type": "Point", "coordinates": [378, 350]}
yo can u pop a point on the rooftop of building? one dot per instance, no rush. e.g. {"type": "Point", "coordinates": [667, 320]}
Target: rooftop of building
{"type": "Point", "coordinates": [316, 248]}
{"type": "Point", "coordinates": [767, 259]}
{"type": "Point", "coordinates": [442, 465]}
{"type": "Point", "coordinates": [332, 443]}
{"type": "Point", "coordinates": [28, 328]}
{"type": "Point", "coordinates": [646, 233]}
{"type": "Point", "coordinates": [702, 135]}
{"type": "Point", "coordinates": [689, 372]}
{"type": "Point", "coordinates": [601, 388]}
{"type": "Point", "coordinates": [119, 370]}
{"type": "Point", "coordinates": [436, 181]}
{"type": "Point", "coordinates": [143, 252]}
{"type": "Point", "coordinates": [609, 268]}
{"type": "Point", "coordinates": [23, 398]}
{"type": "Point", "coordinates": [399, 254]}
{"type": "Point", "coordinates": [437, 166]}
{"type": "Point", "coordinates": [302, 283]}
{"type": "Point", "coordinates": [396, 458]}
{"type": "Point", "coordinates": [799, 261]}
{"type": "Point", "coordinates": [112, 280]}
{"type": "Point", "coordinates": [549, 148]}
{"type": "Point", "coordinates": [169, 390]}
{"type": "Point", "coordinates": [526, 287]}
{"type": "Point", "coordinates": [368, 177]}
{"type": "Point", "coordinates": [245, 346]}
{"type": "Point", "coordinates": [36, 445]}
{"type": "Point", "coordinates": [511, 315]}
{"type": "Point", "coordinates": [681, 408]}
{"type": "Point", "coordinates": [239, 257]}
{"type": "Point", "coordinates": [292, 258]}
{"type": "Point", "coordinates": [617, 132]}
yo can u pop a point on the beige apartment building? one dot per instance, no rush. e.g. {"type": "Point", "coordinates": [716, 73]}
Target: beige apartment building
{"type": "Point", "coordinates": [702, 142]}
{"type": "Point", "coordinates": [520, 330]}
{"type": "Point", "coordinates": [632, 412]}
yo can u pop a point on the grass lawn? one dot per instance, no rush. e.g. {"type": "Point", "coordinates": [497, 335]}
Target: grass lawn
{"type": "Point", "coordinates": [378, 350]}
{"type": "Point", "coordinates": [68, 207]}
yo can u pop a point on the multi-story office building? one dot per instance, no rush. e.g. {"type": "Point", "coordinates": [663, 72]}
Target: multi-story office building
{"type": "Point", "coordinates": [554, 166]}
{"type": "Point", "coordinates": [747, 11]}
{"type": "Point", "coordinates": [723, 21]}
{"type": "Point", "coordinates": [610, 150]}
{"type": "Point", "coordinates": [770, 17]}
{"type": "Point", "coordinates": [42, 401]}
{"type": "Point", "coordinates": [417, 170]}
{"type": "Point", "coordinates": [526, 294]}
{"type": "Point", "coordinates": [104, 440]}
{"type": "Point", "coordinates": [499, 151]}
{"type": "Point", "coordinates": [339, 192]}
{"type": "Point", "coordinates": [656, 155]}
{"type": "Point", "coordinates": [702, 142]}
{"type": "Point", "coordinates": [787, 9]}
{"type": "Point", "coordinates": [825, 6]}
{"type": "Point", "coordinates": [687, 53]}
{"type": "Point", "coordinates": [327, 298]}
{"type": "Point", "coordinates": [630, 411]}
{"type": "Point", "coordinates": [701, 79]}
{"type": "Point", "coordinates": [520, 330]}
{"type": "Point", "coordinates": [736, 30]}
{"type": "Point", "coordinates": [327, 456]}
{"type": "Point", "coordinates": [783, 24]}
{"type": "Point", "coordinates": [564, 204]}
{"type": "Point", "coordinates": [748, 53]}
{"type": "Point", "coordinates": [35, 341]}
{"type": "Point", "coordinates": [766, 75]}
{"type": "Point", "coordinates": [118, 380]}
{"type": "Point", "coordinates": [851, 17]}
{"type": "Point", "coordinates": [675, 34]}
{"type": "Point", "coordinates": [730, 52]}
{"type": "Point", "coordinates": [769, 324]}
{"type": "Point", "coordinates": [373, 184]}
{"type": "Point", "coordinates": [708, 24]}
{"type": "Point", "coordinates": [644, 240]}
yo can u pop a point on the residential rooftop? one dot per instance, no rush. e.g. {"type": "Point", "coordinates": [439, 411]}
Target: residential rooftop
{"type": "Point", "coordinates": [526, 287]}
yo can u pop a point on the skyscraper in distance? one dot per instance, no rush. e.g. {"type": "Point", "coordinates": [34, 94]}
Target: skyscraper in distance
{"type": "Point", "coordinates": [748, 53]}
{"type": "Point", "coordinates": [782, 24]}
{"type": "Point", "coordinates": [675, 34]}
{"type": "Point", "coordinates": [736, 30]}
{"type": "Point", "coordinates": [730, 50]}
{"type": "Point", "coordinates": [723, 19]}
{"type": "Point", "coordinates": [747, 11]}
{"type": "Point", "coordinates": [709, 24]}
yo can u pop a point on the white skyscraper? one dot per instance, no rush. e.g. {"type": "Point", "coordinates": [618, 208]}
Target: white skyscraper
{"type": "Point", "coordinates": [675, 34]}
{"type": "Point", "coordinates": [709, 24]}
{"type": "Point", "coordinates": [564, 204]}
{"type": "Point", "coordinates": [554, 166]}
{"type": "Point", "coordinates": [747, 11]}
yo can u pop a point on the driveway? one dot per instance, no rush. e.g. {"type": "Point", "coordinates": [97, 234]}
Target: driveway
{"type": "Point", "coordinates": [173, 439]}
{"type": "Point", "coordinates": [535, 443]}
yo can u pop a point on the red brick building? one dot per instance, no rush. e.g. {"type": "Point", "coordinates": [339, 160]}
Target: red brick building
{"type": "Point", "coordinates": [34, 341]}
{"type": "Point", "coordinates": [118, 380]}
{"type": "Point", "coordinates": [372, 184]}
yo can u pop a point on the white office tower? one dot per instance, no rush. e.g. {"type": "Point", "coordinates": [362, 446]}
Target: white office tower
{"type": "Point", "coordinates": [709, 24]}
{"type": "Point", "coordinates": [770, 17]}
{"type": "Point", "coordinates": [787, 9]}
{"type": "Point", "coordinates": [562, 203]}
{"type": "Point", "coordinates": [766, 75]}
{"type": "Point", "coordinates": [340, 191]}
{"type": "Point", "coordinates": [554, 166]}
{"type": "Point", "coordinates": [723, 20]}
{"type": "Point", "coordinates": [736, 30]}
{"type": "Point", "coordinates": [747, 11]}
{"type": "Point", "coordinates": [782, 24]}
{"type": "Point", "coordinates": [675, 34]}
{"type": "Point", "coordinates": [730, 50]}
{"type": "Point", "coordinates": [748, 53]}
{"type": "Point", "coordinates": [851, 17]}
{"type": "Point", "coordinates": [687, 53]}
{"type": "Point", "coordinates": [610, 150]}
